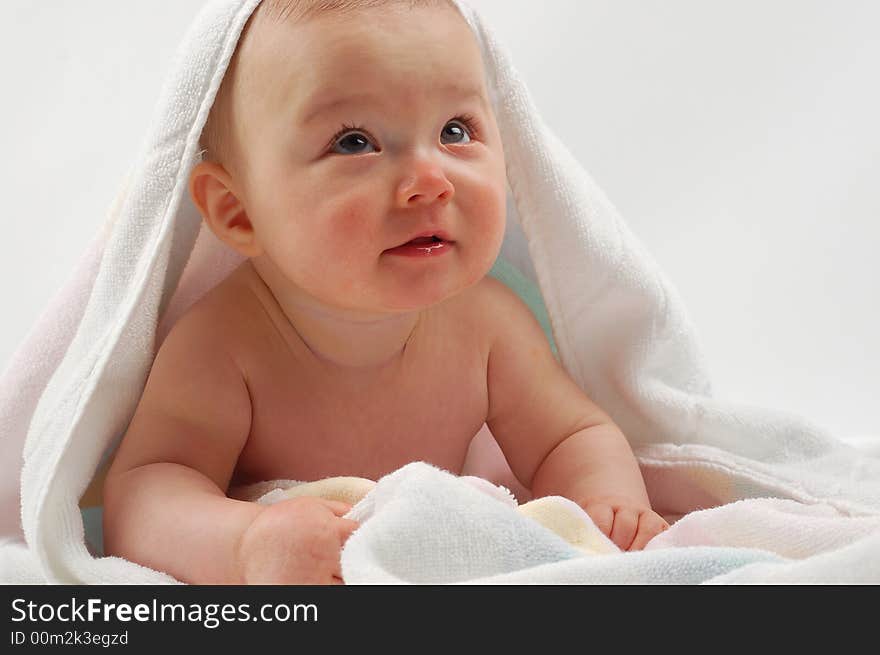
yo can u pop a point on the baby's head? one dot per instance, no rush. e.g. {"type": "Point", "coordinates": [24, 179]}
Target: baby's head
{"type": "Point", "coordinates": [343, 129]}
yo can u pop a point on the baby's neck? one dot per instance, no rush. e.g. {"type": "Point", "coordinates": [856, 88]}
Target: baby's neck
{"type": "Point", "coordinates": [338, 338]}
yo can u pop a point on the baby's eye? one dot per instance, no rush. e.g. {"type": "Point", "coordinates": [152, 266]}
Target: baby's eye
{"type": "Point", "coordinates": [350, 143]}
{"type": "Point", "coordinates": [351, 139]}
{"type": "Point", "coordinates": [457, 131]}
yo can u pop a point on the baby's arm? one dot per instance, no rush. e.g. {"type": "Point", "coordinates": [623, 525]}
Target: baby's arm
{"type": "Point", "coordinates": [557, 441]}
{"type": "Point", "coordinates": [165, 504]}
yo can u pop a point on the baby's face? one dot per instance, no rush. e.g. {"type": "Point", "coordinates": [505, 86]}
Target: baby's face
{"type": "Point", "coordinates": [358, 133]}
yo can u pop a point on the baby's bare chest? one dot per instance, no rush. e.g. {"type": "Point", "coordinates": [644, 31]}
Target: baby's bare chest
{"type": "Point", "coordinates": [310, 426]}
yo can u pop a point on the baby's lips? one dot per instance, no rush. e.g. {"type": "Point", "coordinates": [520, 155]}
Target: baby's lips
{"type": "Point", "coordinates": [430, 233]}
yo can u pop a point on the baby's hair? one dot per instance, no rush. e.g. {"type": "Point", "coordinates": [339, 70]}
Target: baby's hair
{"type": "Point", "coordinates": [216, 141]}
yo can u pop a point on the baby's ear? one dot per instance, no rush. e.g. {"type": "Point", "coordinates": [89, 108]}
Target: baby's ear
{"type": "Point", "coordinates": [211, 189]}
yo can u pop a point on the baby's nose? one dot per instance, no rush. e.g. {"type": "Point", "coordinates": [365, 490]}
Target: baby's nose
{"type": "Point", "coordinates": [426, 186]}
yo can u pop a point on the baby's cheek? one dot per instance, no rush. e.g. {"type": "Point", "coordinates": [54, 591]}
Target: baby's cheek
{"type": "Point", "coordinates": [351, 217]}
{"type": "Point", "coordinates": [348, 241]}
{"type": "Point", "coordinates": [487, 213]}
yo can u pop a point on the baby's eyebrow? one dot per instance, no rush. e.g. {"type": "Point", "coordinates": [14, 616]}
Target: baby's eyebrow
{"type": "Point", "coordinates": [317, 105]}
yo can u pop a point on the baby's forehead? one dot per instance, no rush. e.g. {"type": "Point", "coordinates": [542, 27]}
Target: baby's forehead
{"type": "Point", "coordinates": [339, 53]}
{"type": "Point", "coordinates": [350, 37]}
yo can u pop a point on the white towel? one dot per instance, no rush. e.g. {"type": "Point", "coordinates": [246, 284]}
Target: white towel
{"type": "Point", "coordinates": [620, 328]}
{"type": "Point", "coordinates": [421, 525]}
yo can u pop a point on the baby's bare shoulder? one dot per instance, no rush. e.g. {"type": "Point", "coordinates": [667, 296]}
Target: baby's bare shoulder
{"type": "Point", "coordinates": [195, 408]}
{"type": "Point", "coordinates": [487, 305]}
{"type": "Point", "coordinates": [478, 313]}
{"type": "Point", "coordinates": [218, 322]}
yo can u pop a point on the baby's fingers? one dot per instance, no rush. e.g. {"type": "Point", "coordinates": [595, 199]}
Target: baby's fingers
{"type": "Point", "coordinates": [650, 525]}
{"type": "Point", "coordinates": [603, 517]}
{"type": "Point", "coordinates": [346, 527]}
{"type": "Point", "coordinates": [337, 506]}
{"type": "Point", "coordinates": [626, 523]}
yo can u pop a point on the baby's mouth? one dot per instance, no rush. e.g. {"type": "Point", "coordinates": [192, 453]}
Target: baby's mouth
{"type": "Point", "coordinates": [423, 241]}
{"type": "Point", "coordinates": [422, 247]}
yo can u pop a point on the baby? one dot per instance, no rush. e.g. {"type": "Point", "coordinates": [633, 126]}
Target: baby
{"type": "Point", "coordinates": [353, 158]}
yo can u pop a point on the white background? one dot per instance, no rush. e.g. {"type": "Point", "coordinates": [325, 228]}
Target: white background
{"type": "Point", "coordinates": [738, 139]}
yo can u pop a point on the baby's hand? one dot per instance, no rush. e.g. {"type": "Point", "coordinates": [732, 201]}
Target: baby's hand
{"type": "Point", "coordinates": [295, 541]}
{"type": "Point", "coordinates": [629, 525]}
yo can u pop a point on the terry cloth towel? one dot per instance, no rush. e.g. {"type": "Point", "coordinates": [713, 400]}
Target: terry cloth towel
{"type": "Point", "coordinates": [421, 525]}
{"type": "Point", "coordinates": [620, 329]}
{"type": "Point", "coordinates": [428, 488]}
